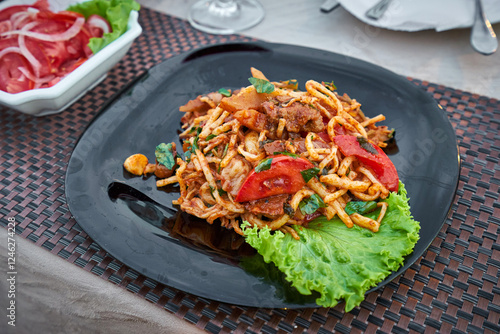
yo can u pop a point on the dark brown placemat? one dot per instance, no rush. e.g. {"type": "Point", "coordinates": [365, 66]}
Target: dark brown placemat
{"type": "Point", "coordinates": [454, 287]}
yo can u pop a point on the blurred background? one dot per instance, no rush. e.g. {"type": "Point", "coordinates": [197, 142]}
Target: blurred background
{"type": "Point", "coordinates": [441, 53]}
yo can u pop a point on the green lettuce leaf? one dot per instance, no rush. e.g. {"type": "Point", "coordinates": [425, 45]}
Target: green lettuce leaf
{"type": "Point", "coordinates": [115, 11]}
{"type": "Point", "coordinates": [338, 262]}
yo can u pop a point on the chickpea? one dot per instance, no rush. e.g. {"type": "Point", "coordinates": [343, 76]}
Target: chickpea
{"type": "Point", "coordinates": [136, 164]}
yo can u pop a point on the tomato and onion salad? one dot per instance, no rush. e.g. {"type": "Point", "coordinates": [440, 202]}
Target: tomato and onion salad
{"type": "Point", "coordinates": [38, 47]}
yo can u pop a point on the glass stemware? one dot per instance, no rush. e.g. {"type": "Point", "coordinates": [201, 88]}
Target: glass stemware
{"type": "Point", "coordinates": [225, 16]}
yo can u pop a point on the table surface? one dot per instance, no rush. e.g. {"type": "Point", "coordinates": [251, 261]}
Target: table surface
{"type": "Point", "coordinates": [442, 57]}
{"type": "Point", "coordinates": [67, 283]}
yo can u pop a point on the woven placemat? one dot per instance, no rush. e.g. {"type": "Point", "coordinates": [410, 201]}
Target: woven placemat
{"type": "Point", "coordinates": [454, 287]}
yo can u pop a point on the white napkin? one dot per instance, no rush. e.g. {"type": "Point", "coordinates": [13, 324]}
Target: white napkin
{"type": "Point", "coordinates": [414, 15]}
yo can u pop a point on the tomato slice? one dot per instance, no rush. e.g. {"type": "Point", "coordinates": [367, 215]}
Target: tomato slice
{"type": "Point", "coordinates": [283, 177]}
{"type": "Point", "coordinates": [70, 65]}
{"type": "Point", "coordinates": [5, 26]}
{"type": "Point", "coordinates": [12, 80]}
{"type": "Point", "coordinates": [81, 42]}
{"type": "Point", "coordinates": [63, 16]}
{"type": "Point", "coordinates": [56, 52]}
{"type": "Point", "coordinates": [379, 163]}
{"type": "Point", "coordinates": [323, 135]}
{"type": "Point", "coordinates": [8, 42]}
{"type": "Point", "coordinates": [7, 12]}
{"type": "Point", "coordinates": [52, 26]}
{"type": "Point", "coordinates": [38, 51]}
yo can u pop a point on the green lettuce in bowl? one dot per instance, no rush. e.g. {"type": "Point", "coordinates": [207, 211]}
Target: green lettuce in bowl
{"type": "Point", "coordinates": [116, 12]}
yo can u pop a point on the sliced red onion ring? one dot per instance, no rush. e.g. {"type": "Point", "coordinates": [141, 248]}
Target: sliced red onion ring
{"type": "Point", "coordinates": [64, 36]}
{"type": "Point", "coordinates": [99, 22]}
{"type": "Point", "coordinates": [33, 11]}
{"type": "Point", "coordinates": [10, 49]}
{"type": "Point", "coordinates": [5, 25]}
{"type": "Point", "coordinates": [17, 19]}
{"type": "Point", "coordinates": [29, 56]}
{"type": "Point", "coordinates": [35, 79]}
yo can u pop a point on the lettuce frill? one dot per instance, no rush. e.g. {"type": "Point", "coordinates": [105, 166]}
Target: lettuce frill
{"type": "Point", "coordinates": [338, 262]}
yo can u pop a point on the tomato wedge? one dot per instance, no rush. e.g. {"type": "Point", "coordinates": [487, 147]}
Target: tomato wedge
{"type": "Point", "coordinates": [39, 53]}
{"type": "Point", "coordinates": [6, 13]}
{"type": "Point", "coordinates": [282, 177]}
{"type": "Point", "coordinates": [12, 80]}
{"type": "Point", "coordinates": [379, 163]}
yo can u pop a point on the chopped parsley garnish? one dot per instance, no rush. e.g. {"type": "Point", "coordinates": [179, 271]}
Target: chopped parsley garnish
{"type": "Point", "coordinates": [360, 207]}
{"type": "Point", "coordinates": [225, 151]}
{"type": "Point", "coordinates": [219, 190]}
{"type": "Point", "coordinates": [195, 146]}
{"type": "Point", "coordinates": [263, 165]}
{"type": "Point", "coordinates": [330, 85]}
{"type": "Point", "coordinates": [366, 145]}
{"type": "Point", "coordinates": [309, 173]}
{"type": "Point", "coordinates": [187, 156]}
{"type": "Point", "coordinates": [287, 208]}
{"type": "Point", "coordinates": [192, 146]}
{"type": "Point", "coordinates": [224, 92]}
{"type": "Point", "coordinates": [261, 85]}
{"type": "Point", "coordinates": [311, 204]}
{"type": "Point", "coordinates": [293, 155]}
{"type": "Point", "coordinates": [290, 84]}
{"type": "Point", "coordinates": [223, 155]}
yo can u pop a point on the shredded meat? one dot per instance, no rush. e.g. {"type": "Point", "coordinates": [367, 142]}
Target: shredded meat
{"type": "Point", "coordinates": [246, 98]}
{"type": "Point", "coordinates": [381, 134]}
{"type": "Point", "coordinates": [193, 109]}
{"type": "Point", "coordinates": [253, 119]}
{"type": "Point", "coordinates": [197, 107]}
{"type": "Point", "coordinates": [274, 146]}
{"type": "Point", "coordinates": [300, 145]}
{"type": "Point", "coordinates": [272, 205]}
{"type": "Point", "coordinates": [299, 116]}
{"type": "Point", "coordinates": [234, 174]}
{"type": "Point", "coordinates": [215, 96]}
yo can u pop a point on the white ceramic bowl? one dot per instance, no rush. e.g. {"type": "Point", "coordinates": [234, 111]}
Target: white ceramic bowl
{"type": "Point", "coordinates": [46, 101]}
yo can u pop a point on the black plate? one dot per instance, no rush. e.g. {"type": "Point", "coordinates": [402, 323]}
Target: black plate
{"type": "Point", "coordinates": [129, 227]}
